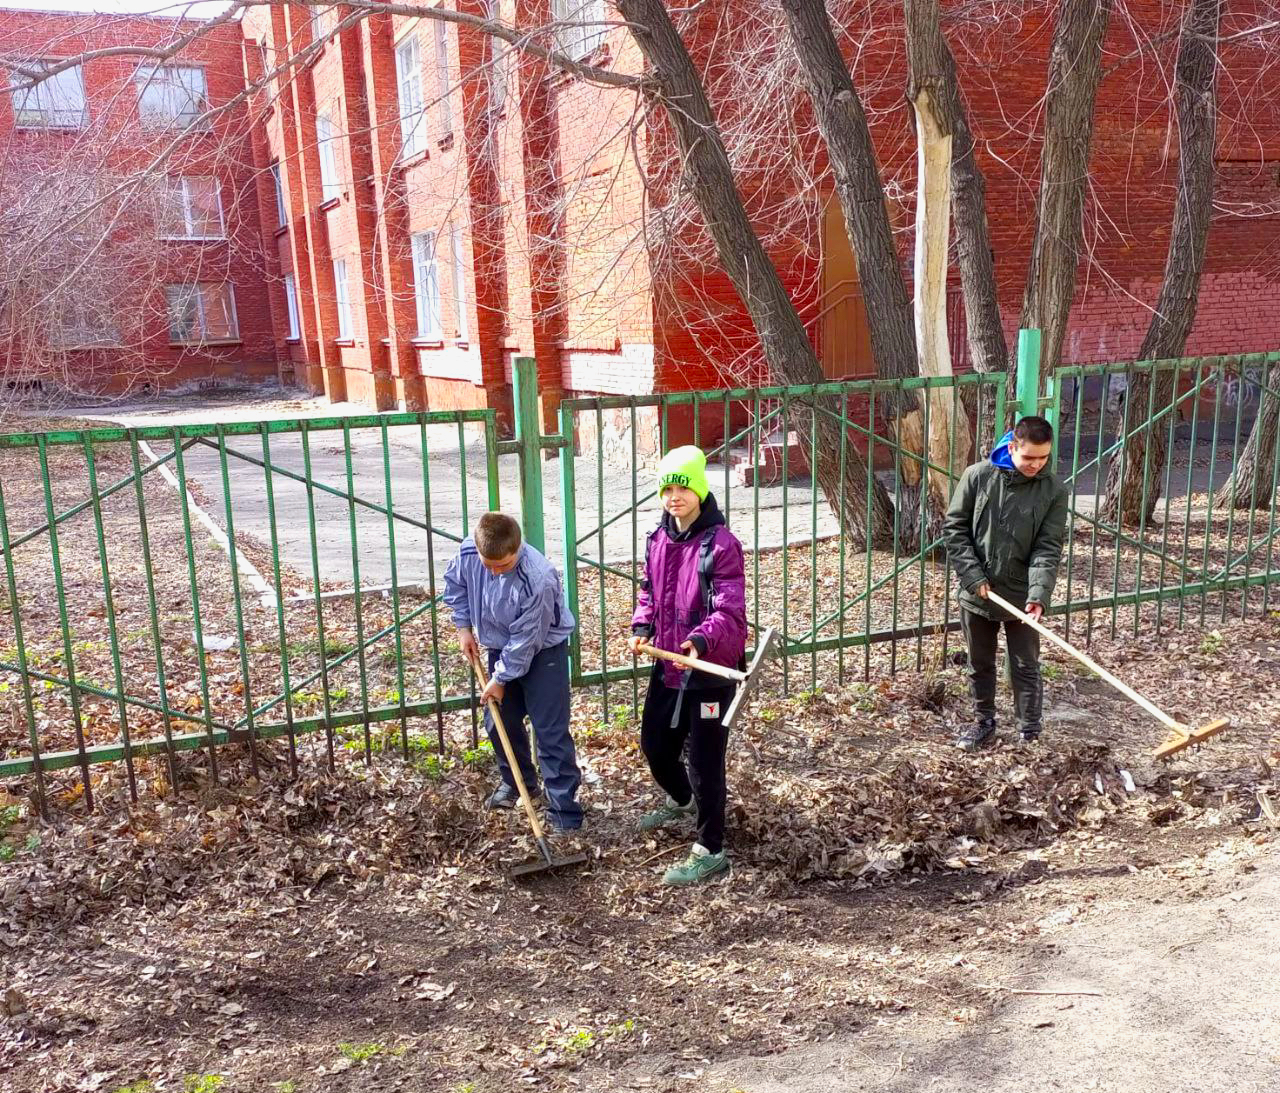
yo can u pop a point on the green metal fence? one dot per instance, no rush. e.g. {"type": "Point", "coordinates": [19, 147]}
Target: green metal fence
{"type": "Point", "coordinates": [171, 589]}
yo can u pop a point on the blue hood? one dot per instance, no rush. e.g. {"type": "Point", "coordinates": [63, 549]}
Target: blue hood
{"type": "Point", "coordinates": [1000, 453]}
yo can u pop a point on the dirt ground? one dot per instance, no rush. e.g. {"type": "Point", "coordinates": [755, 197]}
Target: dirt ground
{"type": "Point", "coordinates": [354, 931]}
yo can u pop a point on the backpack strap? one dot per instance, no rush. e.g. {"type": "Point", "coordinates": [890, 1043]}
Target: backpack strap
{"type": "Point", "coordinates": [705, 564]}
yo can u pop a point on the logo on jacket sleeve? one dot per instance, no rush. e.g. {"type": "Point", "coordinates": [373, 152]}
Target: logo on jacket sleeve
{"type": "Point", "coordinates": [708, 711]}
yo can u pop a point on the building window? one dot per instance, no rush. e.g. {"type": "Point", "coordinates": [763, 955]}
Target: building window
{"type": "Point", "coordinates": [172, 95]}
{"type": "Point", "coordinates": [282, 216]}
{"type": "Point", "coordinates": [291, 303]}
{"type": "Point", "coordinates": [342, 297]}
{"type": "Point", "coordinates": [426, 284]}
{"type": "Point", "coordinates": [499, 56]}
{"type": "Point", "coordinates": [83, 322]}
{"type": "Point", "coordinates": [323, 22]}
{"type": "Point", "coordinates": [192, 209]}
{"type": "Point", "coordinates": [459, 283]}
{"type": "Point", "coordinates": [579, 31]}
{"type": "Point", "coordinates": [409, 81]}
{"type": "Point", "coordinates": [56, 102]}
{"type": "Point", "coordinates": [443, 85]}
{"type": "Point", "coordinates": [327, 144]}
{"type": "Point", "coordinates": [201, 313]}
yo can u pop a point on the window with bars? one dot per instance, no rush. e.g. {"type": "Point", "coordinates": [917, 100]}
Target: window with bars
{"type": "Point", "coordinates": [342, 298]}
{"type": "Point", "coordinates": [291, 304]}
{"type": "Point", "coordinates": [413, 118]}
{"type": "Point", "coordinates": [426, 284]}
{"type": "Point", "coordinates": [192, 209]}
{"type": "Point", "coordinates": [56, 102]}
{"type": "Point", "coordinates": [201, 313]}
{"type": "Point", "coordinates": [327, 147]}
{"type": "Point", "coordinates": [444, 106]}
{"type": "Point", "coordinates": [579, 30]}
{"type": "Point", "coordinates": [172, 96]}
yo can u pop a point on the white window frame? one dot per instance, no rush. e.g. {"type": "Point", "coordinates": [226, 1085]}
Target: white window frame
{"type": "Point", "coordinates": [43, 105]}
{"type": "Point", "coordinates": [578, 32]}
{"type": "Point", "coordinates": [326, 147]}
{"type": "Point", "coordinates": [342, 299]}
{"type": "Point", "coordinates": [413, 114]}
{"type": "Point", "coordinates": [180, 190]}
{"type": "Point", "coordinates": [323, 20]}
{"type": "Point", "coordinates": [199, 293]}
{"type": "Point", "coordinates": [444, 102]}
{"type": "Point", "coordinates": [460, 294]}
{"type": "Point", "coordinates": [164, 81]}
{"type": "Point", "coordinates": [291, 306]}
{"type": "Point", "coordinates": [282, 211]}
{"type": "Point", "coordinates": [426, 285]}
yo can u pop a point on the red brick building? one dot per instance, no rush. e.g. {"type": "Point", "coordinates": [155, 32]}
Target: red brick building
{"type": "Point", "coordinates": [156, 157]}
{"type": "Point", "coordinates": [420, 204]}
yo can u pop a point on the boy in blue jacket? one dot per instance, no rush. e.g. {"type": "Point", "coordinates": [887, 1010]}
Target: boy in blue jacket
{"type": "Point", "coordinates": [506, 596]}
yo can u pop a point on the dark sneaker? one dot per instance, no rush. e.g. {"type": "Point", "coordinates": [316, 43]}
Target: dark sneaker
{"type": "Point", "coordinates": [1030, 733]}
{"type": "Point", "coordinates": [505, 796]}
{"type": "Point", "coordinates": [666, 813]}
{"type": "Point", "coordinates": [699, 866]}
{"type": "Point", "coordinates": [972, 737]}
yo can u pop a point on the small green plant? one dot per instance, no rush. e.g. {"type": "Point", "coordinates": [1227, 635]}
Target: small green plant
{"type": "Point", "coordinates": [144, 1086]}
{"type": "Point", "coordinates": [767, 714]}
{"type": "Point", "coordinates": [479, 756]}
{"type": "Point", "coordinates": [1052, 672]}
{"type": "Point", "coordinates": [465, 1087]}
{"type": "Point", "coordinates": [202, 1083]}
{"type": "Point", "coordinates": [288, 1086]}
{"type": "Point", "coordinates": [578, 1041]}
{"type": "Point", "coordinates": [361, 1053]}
{"type": "Point", "coordinates": [8, 817]}
{"type": "Point", "coordinates": [1211, 643]}
{"type": "Point", "coordinates": [339, 694]}
{"type": "Point", "coordinates": [621, 716]}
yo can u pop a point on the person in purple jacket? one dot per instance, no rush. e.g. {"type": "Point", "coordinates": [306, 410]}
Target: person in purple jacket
{"type": "Point", "coordinates": [505, 596]}
{"type": "Point", "coordinates": [692, 600]}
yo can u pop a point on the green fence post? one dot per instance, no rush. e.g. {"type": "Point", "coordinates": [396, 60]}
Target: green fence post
{"type": "Point", "coordinates": [524, 376]}
{"type": "Point", "coordinates": [1028, 381]}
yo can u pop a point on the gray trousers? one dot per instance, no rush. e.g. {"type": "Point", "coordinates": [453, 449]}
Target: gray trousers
{"type": "Point", "coordinates": [982, 635]}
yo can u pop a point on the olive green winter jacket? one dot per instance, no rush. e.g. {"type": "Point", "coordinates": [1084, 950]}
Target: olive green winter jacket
{"type": "Point", "coordinates": [1007, 529]}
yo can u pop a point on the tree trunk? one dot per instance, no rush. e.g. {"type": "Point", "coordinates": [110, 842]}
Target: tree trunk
{"type": "Point", "coordinates": [844, 130]}
{"type": "Point", "coordinates": [1195, 99]}
{"type": "Point", "coordinates": [675, 84]}
{"type": "Point", "coordinates": [932, 69]}
{"type": "Point", "coordinates": [1075, 68]}
{"type": "Point", "coordinates": [1252, 484]}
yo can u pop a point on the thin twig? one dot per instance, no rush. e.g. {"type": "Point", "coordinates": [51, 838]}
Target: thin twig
{"type": "Point", "coordinates": [1050, 993]}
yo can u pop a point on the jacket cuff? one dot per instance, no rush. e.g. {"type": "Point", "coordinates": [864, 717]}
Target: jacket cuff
{"type": "Point", "coordinates": [641, 630]}
{"type": "Point", "coordinates": [699, 643]}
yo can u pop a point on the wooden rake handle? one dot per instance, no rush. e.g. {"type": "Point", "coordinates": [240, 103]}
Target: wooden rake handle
{"type": "Point", "coordinates": [478, 667]}
{"type": "Point", "coordinates": [1124, 688]}
{"type": "Point", "coordinates": [696, 663]}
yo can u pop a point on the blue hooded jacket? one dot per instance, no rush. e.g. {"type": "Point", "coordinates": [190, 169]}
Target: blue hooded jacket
{"type": "Point", "coordinates": [1000, 454]}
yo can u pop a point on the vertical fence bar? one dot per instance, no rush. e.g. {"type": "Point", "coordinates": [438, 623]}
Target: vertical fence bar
{"type": "Point", "coordinates": [321, 642]}
{"type": "Point", "coordinates": [395, 589]}
{"type": "Point", "coordinates": [20, 648]}
{"type": "Point", "coordinates": [358, 599]}
{"type": "Point", "coordinates": [72, 690]}
{"type": "Point", "coordinates": [897, 538]}
{"type": "Point", "coordinates": [870, 513]}
{"type": "Point", "coordinates": [232, 554]}
{"type": "Point", "coordinates": [1208, 512]}
{"type": "Point", "coordinates": [813, 543]}
{"type": "Point", "coordinates": [726, 456]}
{"type": "Point", "coordinates": [1125, 470]}
{"type": "Point", "coordinates": [756, 432]}
{"type": "Point", "coordinates": [1191, 470]}
{"type": "Point", "coordinates": [152, 606]}
{"type": "Point", "coordinates": [604, 620]}
{"type": "Point", "coordinates": [1077, 415]}
{"type": "Point", "coordinates": [112, 633]}
{"type": "Point", "coordinates": [524, 378]}
{"type": "Point", "coordinates": [1146, 483]}
{"type": "Point", "coordinates": [1275, 483]}
{"type": "Point", "coordinates": [841, 539]}
{"type": "Point", "coordinates": [1171, 452]}
{"type": "Point", "coordinates": [923, 526]}
{"type": "Point", "coordinates": [1231, 508]}
{"type": "Point", "coordinates": [569, 521]}
{"type": "Point", "coordinates": [431, 580]}
{"type": "Point", "coordinates": [1253, 502]}
{"type": "Point", "coordinates": [635, 502]}
{"type": "Point", "coordinates": [281, 625]}
{"type": "Point", "coordinates": [786, 552]}
{"type": "Point", "coordinates": [1028, 377]}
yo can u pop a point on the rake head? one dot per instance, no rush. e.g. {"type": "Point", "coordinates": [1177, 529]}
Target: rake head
{"type": "Point", "coordinates": [1181, 741]}
{"type": "Point", "coordinates": [547, 863]}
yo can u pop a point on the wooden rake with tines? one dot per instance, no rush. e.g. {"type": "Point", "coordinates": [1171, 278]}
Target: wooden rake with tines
{"type": "Point", "coordinates": [1183, 735]}
{"type": "Point", "coordinates": [549, 860]}
{"type": "Point", "coordinates": [746, 681]}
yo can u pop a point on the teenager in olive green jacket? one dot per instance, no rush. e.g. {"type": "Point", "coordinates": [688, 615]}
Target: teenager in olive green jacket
{"type": "Point", "coordinates": [1004, 530]}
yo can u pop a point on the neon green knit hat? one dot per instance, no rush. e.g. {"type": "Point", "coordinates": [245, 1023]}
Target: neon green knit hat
{"type": "Point", "coordinates": [686, 466]}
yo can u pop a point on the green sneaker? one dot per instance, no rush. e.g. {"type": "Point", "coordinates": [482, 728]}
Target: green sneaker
{"type": "Point", "coordinates": [667, 812]}
{"type": "Point", "coordinates": [700, 865]}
